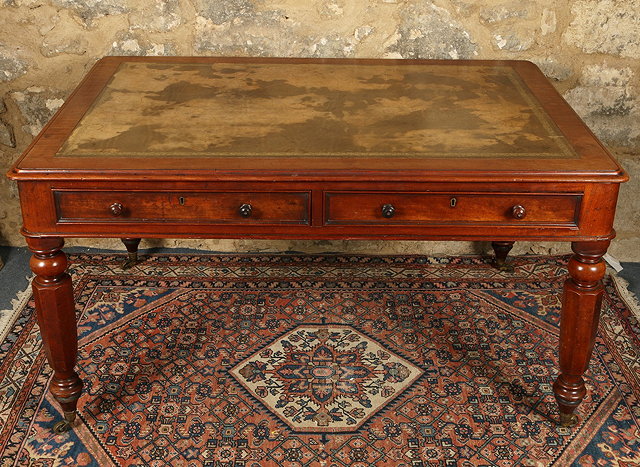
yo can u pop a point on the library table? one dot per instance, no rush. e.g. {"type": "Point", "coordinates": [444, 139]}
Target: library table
{"type": "Point", "coordinates": [195, 147]}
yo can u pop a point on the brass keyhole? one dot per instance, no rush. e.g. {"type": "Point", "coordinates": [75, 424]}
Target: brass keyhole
{"type": "Point", "coordinates": [453, 202]}
{"type": "Point", "coordinates": [181, 201]}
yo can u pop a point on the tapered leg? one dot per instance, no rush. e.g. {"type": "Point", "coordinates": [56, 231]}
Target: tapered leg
{"type": "Point", "coordinates": [132, 248]}
{"type": "Point", "coordinates": [56, 315]}
{"type": "Point", "coordinates": [501, 250]}
{"type": "Point", "coordinates": [581, 303]}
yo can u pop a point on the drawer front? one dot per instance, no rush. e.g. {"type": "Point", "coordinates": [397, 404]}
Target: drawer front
{"type": "Point", "coordinates": [183, 207]}
{"type": "Point", "coordinates": [392, 208]}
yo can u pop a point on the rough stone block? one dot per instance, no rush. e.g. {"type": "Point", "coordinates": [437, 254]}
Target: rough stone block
{"type": "Point", "coordinates": [132, 45]}
{"type": "Point", "coordinates": [606, 26]}
{"type": "Point", "coordinates": [606, 100]}
{"type": "Point", "coordinates": [6, 135]}
{"type": "Point", "coordinates": [603, 91]}
{"type": "Point", "coordinates": [268, 33]}
{"type": "Point", "coordinates": [90, 10]}
{"type": "Point", "coordinates": [11, 65]}
{"type": "Point", "coordinates": [548, 22]}
{"type": "Point", "coordinates": [602, 75]}
{"type": "Point", "coordinates": [63, 35]}
{"type": "Point", "coordinates": [427, 31]}
{"type": "Point", "coordinates": [158, 16]}
{"type": "Point", "coordinates": [626, 246]}
{"type": "Point", "coordinates": [465, 8]}
{"type": "Point", "coordinates": [21, 3]}
{"type": "Point", "coordinates": [331, 46]}
{"type": "Point", "coordinates": [329, 9]}
{"type": "Point", "coordinates": [263, 33]}
{"type": "Point", "coordinates": [222, 11]}
{"type": "Point", "coordinates": [505, 11]}
{"type": "Point", "coordinates": [363, 32]}
{"type": "Point", "coordinates": [37, 106]}
{"type": "Point", "coordinates": [513, 41]}
{"type": "Point", "coordinates": [552, 68]}
{"type": "Point", "coordinates": [627, 218]}
{"type": "Point", "coordinates": [52, 47]}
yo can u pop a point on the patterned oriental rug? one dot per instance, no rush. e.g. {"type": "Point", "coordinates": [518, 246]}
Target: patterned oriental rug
{"type": "Point", "coordinates": [320, 360]}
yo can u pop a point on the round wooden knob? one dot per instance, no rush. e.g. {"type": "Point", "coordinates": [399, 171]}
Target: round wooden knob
{"type": "Point", "coordinates": [518, 212]}
{"type": "Point", "coordinates": [116, 209]}
{"type": "Point", "coordinates": [388, 211]}
{"type": "Point", "coordinates": [245, 210]}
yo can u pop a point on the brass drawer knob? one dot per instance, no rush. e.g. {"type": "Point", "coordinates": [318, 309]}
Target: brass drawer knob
{"type": "Point", "coordinates": [518, 212]}
{"type": "Point", "coordinates": [388, 211]}
{"type": "Point", "coordinates": [116, 209]}
{"type": "Point", "coordinates": [245, 210]}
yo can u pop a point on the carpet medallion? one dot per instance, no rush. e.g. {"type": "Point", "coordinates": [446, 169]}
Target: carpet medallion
{"type": "Point", "coordinates": [325, 378]}
{"type": "Point", "coordinates": [321, 360]}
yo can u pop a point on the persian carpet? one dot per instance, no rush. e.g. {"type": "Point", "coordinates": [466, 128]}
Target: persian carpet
{"type": "Point", "coordinates": [320, 360]}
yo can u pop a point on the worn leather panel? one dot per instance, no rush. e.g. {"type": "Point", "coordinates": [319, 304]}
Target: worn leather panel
{"type": "Point", "coordinates": [311, 109]}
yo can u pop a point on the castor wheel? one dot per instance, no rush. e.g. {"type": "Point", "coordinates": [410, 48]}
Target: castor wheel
{"type": "Point", "coordinates": [130, 262]}
{"type": "Point", "coordinates": [503, 267]}
{"type": "Point", "coordinates": [64, 425]}
{"type": "Point", "coordinates": [501, 250]}
{"type": "Point", "coordinates": [132, 248]}
{"type": "Point", "coordinates": [568, 420]}
{"type": "Point", "coordinates": [61, 427]}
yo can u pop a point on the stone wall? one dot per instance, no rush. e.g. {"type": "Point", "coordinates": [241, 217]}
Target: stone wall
{"type": "Point", "coordinates": [590, 49]}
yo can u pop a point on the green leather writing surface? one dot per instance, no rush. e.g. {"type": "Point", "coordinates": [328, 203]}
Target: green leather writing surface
{"type": "Point", "coordinates": [312, 109]}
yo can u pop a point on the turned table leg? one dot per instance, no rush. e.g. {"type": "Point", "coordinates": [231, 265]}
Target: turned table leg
{"type": "Point", "coordinates": [501, 250]}
{"type": "Point", "coordinates": [56, 315]}
{"type": "Point", "coordinates": [132, 248]}
{"type": "Point", "coordinates": [581, 303]}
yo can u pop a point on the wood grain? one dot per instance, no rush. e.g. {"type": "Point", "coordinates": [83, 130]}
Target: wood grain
{"type": "Point", "coordinates": [270, 170]}
{"type": "Point", "coordinates": [592, 159]}
{"type": "Point", "coordinates": [463, 207]}
{"type": "Point", "coordinates": [182, 207]}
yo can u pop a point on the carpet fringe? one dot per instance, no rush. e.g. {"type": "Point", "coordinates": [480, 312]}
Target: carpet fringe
{"type": "Point", "coordinates": [9, 316]}
{"type": "Point", "coordinates": [629, 298]}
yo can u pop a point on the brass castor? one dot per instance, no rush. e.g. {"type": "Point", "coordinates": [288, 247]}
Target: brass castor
{"type": "Point", "coordinates": [503, 267]}
{"type": "Point", "coordinates": [501, 250]}
{"type": "Point", "coordinates": [64, 425]}
{"type": "Point", "coordinates": [132, 248]}
{"type": "Point", "coordinates": [568, 420]}
{"type": "Point", "coordinates": [131, 261]}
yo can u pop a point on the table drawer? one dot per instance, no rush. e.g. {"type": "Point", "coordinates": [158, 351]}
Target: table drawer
{"type": "Point", "coordinates": [394, 208]}
{"type": "Point", "coordinates": [183, 207]}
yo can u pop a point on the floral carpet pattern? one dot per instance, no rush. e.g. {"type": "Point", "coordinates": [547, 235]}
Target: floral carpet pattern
{"type": "Point", "coordinates": [325, 378]}
{"type": "Point", "coordinates": [320, 360]}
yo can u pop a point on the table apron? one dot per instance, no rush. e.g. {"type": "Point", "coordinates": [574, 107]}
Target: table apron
{"type": "Point", "coordinates": [332, 210]}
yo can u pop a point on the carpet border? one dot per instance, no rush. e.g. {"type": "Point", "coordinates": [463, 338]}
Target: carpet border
{"type": "Point", "coordinates": [8, 316]}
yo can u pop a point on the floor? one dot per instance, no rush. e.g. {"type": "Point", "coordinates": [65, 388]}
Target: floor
{"type": "Point", "coordinates": [213, 361]}
{"type": "Point", "coordinates": [14, 275]}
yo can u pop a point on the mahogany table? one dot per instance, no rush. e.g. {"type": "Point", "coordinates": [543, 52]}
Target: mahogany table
{"type": "Point", "coordinates": [317, 149]}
